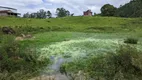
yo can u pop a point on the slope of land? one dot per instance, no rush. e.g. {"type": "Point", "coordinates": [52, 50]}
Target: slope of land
{"type": "Point", "coordinates": [79, 23]}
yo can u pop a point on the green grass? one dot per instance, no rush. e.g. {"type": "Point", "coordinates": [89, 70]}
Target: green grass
{"type": "Point", "coordinates": [46, 38]}
{"type": "Point", "coordinates": [81, 24]}
{"type": "Point", "coordinates": [17, 62]}
{"type": "Point", "coordinates": [124, 64]}
{"type": "Point", "coordinates": [69, 37]}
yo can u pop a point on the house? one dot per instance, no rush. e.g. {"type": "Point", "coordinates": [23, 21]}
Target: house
{"type": "Point", "coordinates": [7, 11]}
{"type": "Point", "coordinates": [87, 13]}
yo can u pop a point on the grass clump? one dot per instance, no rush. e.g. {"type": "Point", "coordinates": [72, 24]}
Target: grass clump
{"type": "Point", "coordinates": [131, 41]}
{"type": "Point", "coordinates": [16, 62]}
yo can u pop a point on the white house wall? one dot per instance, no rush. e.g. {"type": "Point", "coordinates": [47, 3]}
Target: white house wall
{"type": "Point", "coordinates": [3, 14]}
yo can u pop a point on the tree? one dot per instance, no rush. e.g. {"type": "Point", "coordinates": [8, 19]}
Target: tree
{"type": "Point", "coordinates": [33, 15]}
{"type": "Point", "coordinates": [41, 14]}
{"type": "Point", "coordinates": [49, 14]}
{"type": "Point", "coordinates": [72, 14]}
{"type": "Point", "coordinates": [108, 10]}
{"type": "Point", "coordinates": [131, 9]}
{"type": "Point", "coordinates": [61, 12]}
{"type": "Point", "coordinates": [26, 15]}
{"type": "Point", "coordinates": [95, 14]}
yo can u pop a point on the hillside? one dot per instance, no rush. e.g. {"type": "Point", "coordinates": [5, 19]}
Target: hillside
{"type": "Point", "coordinates": [85, 24]}
{"type": "Point", "coordinates": [131, 9]}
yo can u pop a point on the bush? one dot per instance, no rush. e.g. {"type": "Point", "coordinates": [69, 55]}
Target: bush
{"type": "Point", "coordinates": [125, 64]}
{"type": "Point", "coordinates": [13, 59]}
{"type": "Point", "coordinates": [5, 75]}
{"type": "Point", "coordinates": [119, 65]}
{"type": "Point", "coordinates": [131, 41]}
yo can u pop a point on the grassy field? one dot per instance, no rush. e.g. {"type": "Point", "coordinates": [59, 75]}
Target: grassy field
{"type": "Point", "coordinates": [81, 24]}
{"type": "Point", "coordinates": [93, 45]}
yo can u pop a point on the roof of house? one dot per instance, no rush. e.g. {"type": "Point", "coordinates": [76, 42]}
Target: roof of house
{"type": "Point", "coordinates": [8, 11]}
{"type": "Point", "coordinates": [8, 8]}
{"type": "Point", "coordinates": [88, 11]}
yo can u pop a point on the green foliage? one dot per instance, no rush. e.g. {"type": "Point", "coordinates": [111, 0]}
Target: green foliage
{"type": "Point", "coordinates": [72, 14]}
{"type": "Point", "coordinates": [76, 23]}
{"type": "Point", "coordinates": [131, 9]}
{"type": "Point", "coordinates": [8, 48]}
{"type": "Point", "coordinates": [14, 59]}
{"type": "Point", "coordinates": [41, 14]}
{"type": "Point", "coordinates": [108, 10]}
{"type": "Point", "coordinates": [61, 12]}
{"type": "Point", "coordinates": [5, 75]}
{"type": "Point", "coordinates": [125, 64]}
{"type": "Point", "coordinates": [131, 41]}
{"type": "Point", "coordinates": [20, 59]}
{"type": "Point", "coordinates": [49, 14]}
{"type": "Point", "coordinates": [26, 15]}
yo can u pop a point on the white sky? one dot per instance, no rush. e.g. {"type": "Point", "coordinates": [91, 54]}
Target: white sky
{"type": "Point", "coordinates": [74, 6]}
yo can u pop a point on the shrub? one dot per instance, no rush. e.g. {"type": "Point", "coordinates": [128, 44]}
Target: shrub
{"type": "Point", "coordinates": [124, 64]}
{"type": "Point", "coordinates": [119, 65]}
{"type": "Point", "coordinates": [131, 41]}
{"type": "Point", "coordinates": [13, 59]}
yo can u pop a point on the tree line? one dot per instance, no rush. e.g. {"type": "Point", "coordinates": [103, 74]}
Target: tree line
{"type": "Point", "coordinates": [42, 14]}
{"type": "Point", "coordinates": [39, 14]}
{"type": "Point", "coordinates": [131, 9]}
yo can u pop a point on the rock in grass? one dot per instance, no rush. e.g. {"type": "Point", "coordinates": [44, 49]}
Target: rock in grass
{"type": "Point", "coordinates": [19, 38]}
{"type": "Point", "coordinates": [8, 30]}
{"type": "Point", "coordinates": [24, 37]}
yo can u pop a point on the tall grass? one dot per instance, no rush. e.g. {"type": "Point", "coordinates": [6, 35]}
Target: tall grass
{"type": "Point", "coordinates": [125, 64]}
{"type": "Point", "coordinates": [16, 62]}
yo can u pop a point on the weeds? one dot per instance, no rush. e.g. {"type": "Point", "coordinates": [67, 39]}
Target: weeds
{"type": "Point", "coordinates": [131, 41]}
{"type": "Point", "coordinates": [125, 64]}
{"type": "Point", "coordinates": [17, 62]}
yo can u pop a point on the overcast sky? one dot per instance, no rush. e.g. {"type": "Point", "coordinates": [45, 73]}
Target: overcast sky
{"type": "Point", "coordinates": [74, 6]}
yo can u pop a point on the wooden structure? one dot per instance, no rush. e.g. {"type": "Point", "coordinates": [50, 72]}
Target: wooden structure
{"type": "Point", "coordinates": [7, 11]}
{"type": "Point", "coordinates": [87, 13]}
